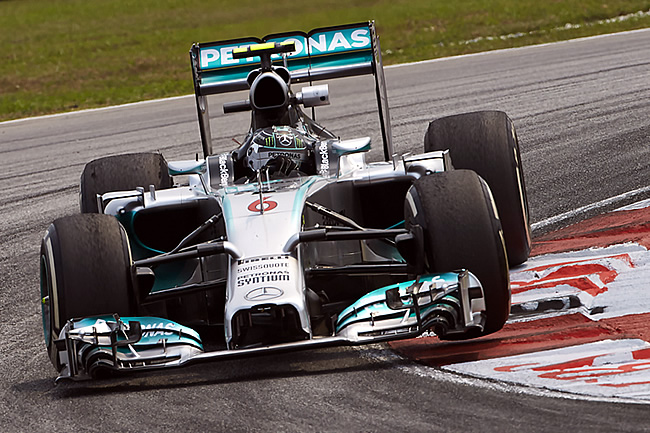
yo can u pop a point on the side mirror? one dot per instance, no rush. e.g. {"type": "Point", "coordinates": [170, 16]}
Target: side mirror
{"type": "Point", "coordinates": [177, 168]}
{"type": "Point", "coordinates": [354, 145]}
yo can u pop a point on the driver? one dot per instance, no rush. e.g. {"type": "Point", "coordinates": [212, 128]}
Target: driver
{"type": "Point", "coordinates": [279, 151]}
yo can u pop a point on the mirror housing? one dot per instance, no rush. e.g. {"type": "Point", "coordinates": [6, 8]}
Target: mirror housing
{"type": "Point", "coordinates": [314, 96]}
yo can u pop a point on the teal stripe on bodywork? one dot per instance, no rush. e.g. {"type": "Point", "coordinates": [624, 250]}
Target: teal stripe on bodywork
{"type": "Point", "coordinates": [226, 208]}
{"type": "Point", "coordinates": [138, 249]}
{"type": "Point", "coordinates": [167, 274]}
{"type": "Point", "coordinates": [399, 225]}
{"type": "Point", "coordinates": [299, 202]}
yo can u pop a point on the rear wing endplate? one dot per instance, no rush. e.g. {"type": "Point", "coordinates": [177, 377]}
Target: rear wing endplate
{"type": "Point", "coordinates": [321, 54]}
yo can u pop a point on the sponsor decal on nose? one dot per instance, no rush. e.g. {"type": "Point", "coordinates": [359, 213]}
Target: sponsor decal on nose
{"type": "Point", "coordinates": [263, 294]}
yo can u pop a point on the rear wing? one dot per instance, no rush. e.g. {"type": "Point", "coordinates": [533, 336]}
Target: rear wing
{"type": "Point", "coordinates": [321, 54]}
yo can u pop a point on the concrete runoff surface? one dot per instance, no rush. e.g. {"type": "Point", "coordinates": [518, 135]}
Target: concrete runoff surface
{"type": "Point", "coordinates": [580, 319]}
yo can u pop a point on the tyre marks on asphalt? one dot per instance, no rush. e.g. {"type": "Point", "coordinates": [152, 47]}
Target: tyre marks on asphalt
{"type": "Point", "coordinates": [580, 319]}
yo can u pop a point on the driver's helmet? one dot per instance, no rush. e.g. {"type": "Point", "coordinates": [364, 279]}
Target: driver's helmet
{"type": "Point", "coordinates": [279, 141]}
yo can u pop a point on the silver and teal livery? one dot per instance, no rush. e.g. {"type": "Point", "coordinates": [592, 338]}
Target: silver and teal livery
{"type": "Point", "coordinates": [292, 241]}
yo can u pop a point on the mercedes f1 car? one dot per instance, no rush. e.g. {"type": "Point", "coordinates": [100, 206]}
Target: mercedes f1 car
{"type": "Point", "coordinates": [294, 240]}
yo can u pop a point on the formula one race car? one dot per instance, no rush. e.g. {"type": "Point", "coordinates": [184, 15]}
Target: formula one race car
{"type": "Point", "coordinates": [293, 240]}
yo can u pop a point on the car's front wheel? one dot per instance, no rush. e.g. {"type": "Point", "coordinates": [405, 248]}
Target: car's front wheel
{"type": "Point", "coordinates": [461, 230]}
{"type": "Point", "coordinates": [85, 271]}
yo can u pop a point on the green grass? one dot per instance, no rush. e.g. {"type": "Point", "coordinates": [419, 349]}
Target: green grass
{"type": "Point", "coordinates": [62, 55]}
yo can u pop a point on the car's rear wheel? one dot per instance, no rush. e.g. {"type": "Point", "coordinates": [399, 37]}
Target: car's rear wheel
{"type": "Point", "coordinates": [85, 271]}
{"type": "Point", "coordinates": [486, 142]}
{"type": "Point", "coordinates": [462, 231]}
{"type": "Point", "coordinates": [121, 173]}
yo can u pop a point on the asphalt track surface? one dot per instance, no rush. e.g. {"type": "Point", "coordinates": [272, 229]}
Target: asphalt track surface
{"type": "Point", "coordinates": [582, 110]}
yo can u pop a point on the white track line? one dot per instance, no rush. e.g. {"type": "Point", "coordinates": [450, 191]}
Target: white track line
{"type": "Point", "coordinates": [599, 204]}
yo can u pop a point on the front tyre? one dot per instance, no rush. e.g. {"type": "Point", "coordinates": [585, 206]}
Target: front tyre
{"type": "Point", "coordinates": [461, 230]}
{"type": "Point", "coordinates": [85, 271]}
{"type": "Point", "coordinates": [486, 142]}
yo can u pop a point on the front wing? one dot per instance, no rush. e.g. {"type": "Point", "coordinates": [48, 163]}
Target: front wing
{"type": "Point", "coordinates": [446, 303]}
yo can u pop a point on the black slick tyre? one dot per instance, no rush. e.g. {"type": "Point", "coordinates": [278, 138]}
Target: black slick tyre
{"type": "Point", "coordinates": [486, 142]}
{"type": "Point", "coordinates": [121, 173]}
{"type": "Point", "coordinates": [86, 270]}
{"type": "Point", "coordinates": [462, 231]}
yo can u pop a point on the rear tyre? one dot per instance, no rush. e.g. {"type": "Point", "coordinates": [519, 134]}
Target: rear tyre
{"type": "Point", "coordinates": [486, 142]}
{"type": "Point", "coordinates": [121, 173]}
{"type": "Point", "coordinates": [462, 231]}
{"type": "Point", "coordinates": [85, 271]}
